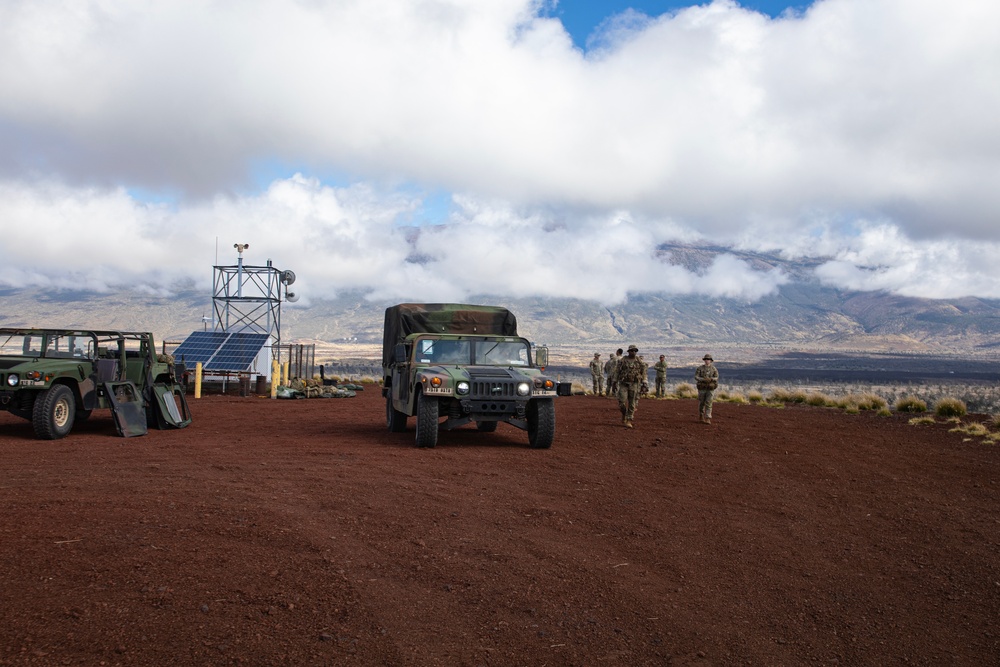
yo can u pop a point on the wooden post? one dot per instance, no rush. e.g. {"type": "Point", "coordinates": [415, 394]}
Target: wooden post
{"type": "Point", "coordinates": [197, 380]}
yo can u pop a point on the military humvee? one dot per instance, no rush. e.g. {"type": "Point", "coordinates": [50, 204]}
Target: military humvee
{"type": "Point", "coordinates": [465, 363]}
{"type": "Point", "coordinates": [54, 378]}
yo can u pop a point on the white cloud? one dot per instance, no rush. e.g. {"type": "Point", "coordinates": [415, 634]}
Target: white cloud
{"type": "Point", "coordinates": [345, 238]}
{"type": "Point", "coordinates": [712, 122]}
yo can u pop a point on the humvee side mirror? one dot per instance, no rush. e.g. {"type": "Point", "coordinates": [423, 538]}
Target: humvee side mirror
{"type": "Point", "coordinates": [399, 354]}
{"type": "Point", "coordinates": [541, 357]}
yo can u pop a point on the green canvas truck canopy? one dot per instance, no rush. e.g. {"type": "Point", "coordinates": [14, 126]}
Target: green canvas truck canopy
{"type": "Point", "coordinates": [451, 318]}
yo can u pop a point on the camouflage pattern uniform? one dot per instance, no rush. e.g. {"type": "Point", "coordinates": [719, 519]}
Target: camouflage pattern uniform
{"type": "Point", "coordinates": [628, 377]}
{"type": "Point", "coordinates": [609, 370]}
{"type": "Point", "coordinates": [707, 379]}
{"type": "Point", "coordinates": [597, 374]}
{"type": "Point", "coordinates": [645, 376]}
{"type": "Point", "coordinates": [661, 377]}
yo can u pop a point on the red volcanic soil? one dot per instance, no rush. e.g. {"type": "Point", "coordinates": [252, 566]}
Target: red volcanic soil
{"type": "Point", "coordinates": [304, 533]}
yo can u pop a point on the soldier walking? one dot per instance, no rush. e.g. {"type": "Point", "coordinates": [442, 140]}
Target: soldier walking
{"type": "Point", "coordinates": [628, 378]}
{"type": "Point", "coordinates": [609, 370]}
{"type": "Point", "coordinates": [661, 376]}
{"type": "Point", "coordinates": [707, 378]}
{"type": "Point", "coordinates": [597, 374]}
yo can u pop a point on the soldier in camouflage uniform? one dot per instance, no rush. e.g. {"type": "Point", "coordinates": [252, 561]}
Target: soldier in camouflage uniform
{"type": "Point", "coordinates": [645, 376]}
{"type": "Point", "coordinates": [597, 374]}
{"type": "Point", "coordinates": [628, 377]}
{"type": "Point", "coordinates": [609, 370]}
{"type": "Point", "coordinates": [707, 379]}
{"type": "Point", "coordinates": [661, 376]}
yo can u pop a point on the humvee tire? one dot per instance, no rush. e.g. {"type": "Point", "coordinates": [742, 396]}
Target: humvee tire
{"type": "Point", "coordinates": [486, 427]}
{"type": "Point", "coordinates": [427, 421]}
{"type": "Point", "coordinates": [54, 412]}
{"type": "Point", "coordinates": [541, 423]}
{"type": "Point", "coordinates": [394, 419]}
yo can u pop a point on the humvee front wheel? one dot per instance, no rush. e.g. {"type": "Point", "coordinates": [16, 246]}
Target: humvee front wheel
{"type": "Point", "coordinates": [54, 413]}
{"type": "Point", "coordinates": [541, 423]}
{"type": "Point", "coordinates": [394, 419]}
{"type": "Point", "coordinates": [427, 421]}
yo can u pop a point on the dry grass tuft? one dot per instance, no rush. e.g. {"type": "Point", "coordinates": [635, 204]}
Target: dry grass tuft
{"type": "Point", "coordinates": [911, 404]}
{"type": "Point", "coordinates": [949, 407]}
{"type": "Point", "coordinates": [755, 397]}
{"type": "Point", "coordinates": [922, 421]}
{"type": "Point", "coordinates": [975, 429]}
{"type": "Point", "coordinates": [685, 390]}
{"type": "Point", "coordinates": [819, 399]}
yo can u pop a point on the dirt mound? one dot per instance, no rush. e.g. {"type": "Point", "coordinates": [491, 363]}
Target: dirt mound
{"type": "Point", "coordinates": [303, 533]}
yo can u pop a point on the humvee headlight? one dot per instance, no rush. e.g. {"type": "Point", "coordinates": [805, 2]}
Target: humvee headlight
{"type": "Point", "coordinates": [33, 375]}
{"type": "Point", "coordinates": [523, 389]}
{"type": "Point", "coordinates": [13, 380]}
{"type": "Point", "coordinates": [545, 384]}
{"type": "Point", "coordinates": [435, 382]}
{"type": "Point", "coordinates": [462, 388]}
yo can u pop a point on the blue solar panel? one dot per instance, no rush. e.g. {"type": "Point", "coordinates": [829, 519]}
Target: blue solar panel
{"type": "Point", "coordinates": [238, 352]}
{"type": "Point", "coordinates": [221, 350]}
{"type": "Point", "coordinates": [200, 346]}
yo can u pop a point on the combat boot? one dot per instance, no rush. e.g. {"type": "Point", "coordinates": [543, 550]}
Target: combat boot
{"type": "Point", "coordinates": [628, 424]}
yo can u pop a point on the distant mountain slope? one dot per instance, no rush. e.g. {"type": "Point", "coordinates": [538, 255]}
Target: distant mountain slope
{"type": "Point", "coordinates": [800, 315]}
{"type": "Point", "coordinates": [803, 314]}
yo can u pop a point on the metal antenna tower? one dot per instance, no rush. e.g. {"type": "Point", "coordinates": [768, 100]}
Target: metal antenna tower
{"type": "Point", "coordinates": [247, 299]}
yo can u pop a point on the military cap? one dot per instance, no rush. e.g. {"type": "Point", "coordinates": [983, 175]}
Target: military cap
{"type": "Point", "coordinates": [597, 354]}
{"type": "Point", "coordinates": [632, 347]}
{"type": "Point", "coordinates": [709, 357]}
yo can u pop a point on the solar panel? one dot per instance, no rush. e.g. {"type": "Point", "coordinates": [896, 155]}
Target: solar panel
{"type": "Point", "coordinates": [221, 350]}
{"type": "Point", "coordinates": [238, 352]}
{"type": "Point", "coordinates": [200, 346]}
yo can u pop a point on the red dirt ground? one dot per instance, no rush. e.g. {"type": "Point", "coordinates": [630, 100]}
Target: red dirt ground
{"type": "Point", "coordinates": [304, 533]}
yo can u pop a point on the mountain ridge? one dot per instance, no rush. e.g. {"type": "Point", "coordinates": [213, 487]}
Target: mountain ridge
{"type": "Point", "coordinates": [799, 316]}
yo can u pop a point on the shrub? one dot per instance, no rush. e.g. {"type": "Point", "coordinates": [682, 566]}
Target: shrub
{"type": "Point", "coordinates": [755, 396]}
{"type": "Point", "coordinates": [819, 399]}
{"type": "Point", "coordinates": [685, 390]}
{"type": "Point", "coordinates": [737, 398]}
{"type": "Point", "coordinates": [870, 401]}
{"type": "Point", "coordinates": [994, 421]}
{"type": "Point", "coordinates": [974, 429]}
{"type": "Point", "coordinates": [884, 412]}
{"type": "Point", "coordinates": [911, 404]}
{"type": "Point", "coordinates": [866, 401]}
{"type": "Point", "coordinates": [921, 421]}
{"type": "Point", "coordinates": [949, 407]}
{"type": "Point", "coordinates": [798, 396]}
{"type": "Point", "coordinates": [788, 396]}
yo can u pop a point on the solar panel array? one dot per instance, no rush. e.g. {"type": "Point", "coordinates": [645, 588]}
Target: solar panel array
{"type": "Point", "coordinates": [221, 350]}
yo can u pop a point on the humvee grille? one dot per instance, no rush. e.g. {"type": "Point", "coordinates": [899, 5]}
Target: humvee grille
{"type": "Point", "coordinates": [493, 389]}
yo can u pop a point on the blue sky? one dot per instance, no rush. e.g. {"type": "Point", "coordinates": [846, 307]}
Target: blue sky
{"type": "Point", "coordinates": [432, 150]}
{"type": "Point", "coordinates": [580, 17]}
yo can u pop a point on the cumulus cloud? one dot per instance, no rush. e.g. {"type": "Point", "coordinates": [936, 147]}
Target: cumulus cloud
{"type": "Point", "coordinates": [338, 239]}
{"type": "Point", "coordinates": [712, 122]}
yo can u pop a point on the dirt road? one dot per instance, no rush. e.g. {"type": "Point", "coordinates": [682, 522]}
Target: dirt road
{"type": "Point", "coordinates": [303, 533]}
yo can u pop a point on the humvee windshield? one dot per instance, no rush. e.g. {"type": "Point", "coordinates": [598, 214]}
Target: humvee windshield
{"type": "Point", "coordinates": [475, 352]}
{"type": "Point", "coordinates": [501, 353]}
{"type": "Point", "coordinates": [16, 345]}
{"type": "Point", "coordinates": [70, 345]}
